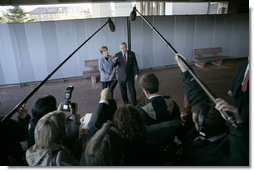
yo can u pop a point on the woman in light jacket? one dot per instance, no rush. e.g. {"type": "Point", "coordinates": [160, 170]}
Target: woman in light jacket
{"type": "Point", "coordinates": [106, 68]}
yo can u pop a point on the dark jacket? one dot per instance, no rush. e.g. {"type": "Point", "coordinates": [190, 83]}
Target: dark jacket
{"type": "Point", "coordinates": [129, 70]}
{"type": "Point", "coordinates": [229, 149]}
{"type": "Point", "coordinates": [159, 109]}
{"type": "Point", "coordinates": [194, 93]}
{"type": "Point", "coordinates": [141, 153]}
{"type": "Point", "coordinates": [100, 117]}
{"type": "Point", "coordinates": [12, 133]}
{"type": "Point", "coordinates": [241, 99]}
{"type": "Point", "coordinates": [238, 79]}
{"type": "Point", "coordinates": [103, 114]}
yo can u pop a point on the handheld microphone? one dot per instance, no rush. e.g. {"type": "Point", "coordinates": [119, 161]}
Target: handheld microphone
{"type": "Point", "coordinates": [133, 14]}
{"type": "Point", "coordinates": [111, 25]}
{"type": "Point", "coordinates": [113, 85]}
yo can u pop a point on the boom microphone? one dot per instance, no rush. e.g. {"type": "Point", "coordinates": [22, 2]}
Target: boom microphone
{"type": "Point", "coordinates": [227, 115]}
{"type": "Point", "coordinates": [111, 25]}
{"type": "Point", "coordinates": [15, 109]}
{"type": "Point", "coordinates": [133, 14]}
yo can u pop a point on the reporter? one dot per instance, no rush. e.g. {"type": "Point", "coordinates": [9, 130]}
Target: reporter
{"type": "Point", "coordinates": [41, 107]}
{"type": "Point", "coordinates": [71, 138]}
{"type": "Point", "coordinates": [105, 148]}
{"type": "Point", "coordinates": [156, 108]}
{"type": "Point", "coordinates": [137, 151]}
{"type": "Point", "coordinates": [105, 111]}
{"type": "Point", "coordinates": [211, 142]}
{"type": "Point", "coordinates": [48, 149]}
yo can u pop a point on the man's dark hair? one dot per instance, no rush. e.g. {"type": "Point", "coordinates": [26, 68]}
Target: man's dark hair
{"type": "Point", "coordinates": [150, 83]}
{"type": "Point", "coordinates": [43, 106]}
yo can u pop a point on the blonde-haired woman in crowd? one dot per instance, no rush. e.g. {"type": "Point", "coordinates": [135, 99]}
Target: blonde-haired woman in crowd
{"type": "Point", "coordinates": [48, 149]}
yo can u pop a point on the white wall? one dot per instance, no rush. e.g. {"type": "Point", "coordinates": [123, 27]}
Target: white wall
{"type": "Point", "coordinates": [30, 51]}
{"type": "Point", "coordinates": [182, 8]}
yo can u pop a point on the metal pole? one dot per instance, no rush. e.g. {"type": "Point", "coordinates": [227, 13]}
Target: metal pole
{"type": "Point", "coordinates": [129, 33]}
{"type": "Point", "coordinates": [229, 117]}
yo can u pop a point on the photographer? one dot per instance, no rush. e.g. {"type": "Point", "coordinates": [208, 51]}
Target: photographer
{"type": "Point", "coordinates": [72, 122]}
{"type": "Point", "coordinates": [41, 107]}
{"type": "Point", "coordinates": [105, 111]}
{"type": "Point", "coordinates": [71, 139]}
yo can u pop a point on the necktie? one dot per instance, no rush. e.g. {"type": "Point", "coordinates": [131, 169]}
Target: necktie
{"type": "Point", "coordinates": [245, 82]}
{"type": "Point", "coordinates": [124, 57]}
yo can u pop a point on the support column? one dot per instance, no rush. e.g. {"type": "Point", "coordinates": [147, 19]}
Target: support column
{"type": "Point", "coordinates": [129, 33]}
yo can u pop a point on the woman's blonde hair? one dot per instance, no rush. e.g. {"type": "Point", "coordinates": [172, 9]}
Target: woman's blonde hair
{"type": "Point", "coordinates": [103, 48]}
{"type": "Point", "coordinates": [50, 129]}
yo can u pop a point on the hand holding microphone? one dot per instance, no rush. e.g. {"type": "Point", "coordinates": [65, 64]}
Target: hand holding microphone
{"type": "Point", "coordinates": [228, 112]}
{"type": "Point", "coordinates": [180, 62]}
{"type": "Point", "coordinates": [22, 112]}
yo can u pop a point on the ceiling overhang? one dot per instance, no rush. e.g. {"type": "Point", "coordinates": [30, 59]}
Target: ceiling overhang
{"type": "Point", "coordinates": [41, 2]}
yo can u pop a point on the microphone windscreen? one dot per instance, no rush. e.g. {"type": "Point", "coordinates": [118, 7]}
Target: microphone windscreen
{"type": "Point", "coordinates": [133, 14]}
{"type": "Point", "coordinates": [111, 25]}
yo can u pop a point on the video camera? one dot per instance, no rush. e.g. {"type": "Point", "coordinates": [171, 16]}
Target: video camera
{"type": "Point", "coordinates": [67, 97]}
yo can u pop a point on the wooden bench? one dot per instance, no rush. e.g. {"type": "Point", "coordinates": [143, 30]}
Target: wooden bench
{"type": "Point", "coordinates": [93, 72]}
{"type": "Point", "coordinates": [208, 55]}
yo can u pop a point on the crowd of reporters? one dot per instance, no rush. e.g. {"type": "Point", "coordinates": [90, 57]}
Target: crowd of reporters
{"type": "Point", "coordinates": [154, 132]}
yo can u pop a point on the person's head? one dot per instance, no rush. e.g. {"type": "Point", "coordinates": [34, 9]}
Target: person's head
{"type": "Point", "coordinates": [43, 106]}
{"type": "Point", "coordinates": [104, 148]}
{"type": "Point", "coordinates": [149, 84]}
{"type": "Point", "coordinates": [104, 51]}
{"type": "Point", "coordinates": [50, 130]}
{"type": "Point", "coordinates": [123, 47]}
{"type": "Point", "coordinates": [208, 121]}
{"type": "Point", "coordinates": [130, 123]}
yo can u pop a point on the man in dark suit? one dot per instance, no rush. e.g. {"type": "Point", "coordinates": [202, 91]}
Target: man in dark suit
{"type": "Point", "coordinates": [127, 72]}
{"type": "Point", "coordinates": [240, 91]}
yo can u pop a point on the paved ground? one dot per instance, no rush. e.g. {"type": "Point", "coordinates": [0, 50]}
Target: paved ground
{"type": "Point", "coordinates": [87, 96]}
